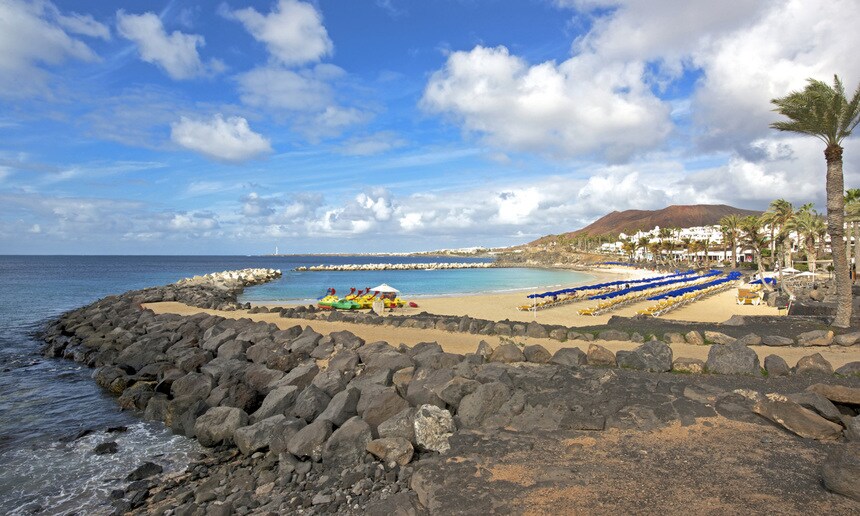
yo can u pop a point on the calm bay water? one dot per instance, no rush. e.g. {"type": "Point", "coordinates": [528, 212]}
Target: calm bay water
{"type": "Point", "coordinates": [44, 402]}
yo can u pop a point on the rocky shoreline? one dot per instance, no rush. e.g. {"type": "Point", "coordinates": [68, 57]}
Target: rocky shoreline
{"type": "Point", "coordinates": [305, 423]}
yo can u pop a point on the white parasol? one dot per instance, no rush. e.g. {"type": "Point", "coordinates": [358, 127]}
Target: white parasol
{"type": "Point", "coordinates": [790, 270]}
{"type": "Point", "coordinates": [385, 288]}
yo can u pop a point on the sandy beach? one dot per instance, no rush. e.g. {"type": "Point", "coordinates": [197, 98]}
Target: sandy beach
{"type": "Point", "coordinates": [500, 306]}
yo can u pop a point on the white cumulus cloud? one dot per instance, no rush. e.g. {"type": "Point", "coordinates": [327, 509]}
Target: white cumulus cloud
{"type": "Point", "coordinates": [279, 88]}
{"type": "Point", "coordinates": [767, 57]}
{"type": "Point", "coordinates": [222, 139]}
{"type": "Point", "coordinates": [293, 32]}
{"type": "Point", "coordinates": [577, 107]}
{"type": "Point", "coordinates": [175, 53]}
{"type": "Point", "coordinates": [34, 35]}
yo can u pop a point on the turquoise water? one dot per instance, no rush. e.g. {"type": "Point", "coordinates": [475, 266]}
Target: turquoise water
{"type": "Point", "coordinates": [305, 286]}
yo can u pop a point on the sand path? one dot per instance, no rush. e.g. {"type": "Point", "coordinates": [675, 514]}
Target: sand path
{"type": "Point", "coordinates": [467, 343]}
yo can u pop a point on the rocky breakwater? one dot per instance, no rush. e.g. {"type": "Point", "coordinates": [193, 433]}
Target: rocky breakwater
{"type": "Point", "coordinates": [215, 290]}
{"type": "Point", "coordinates": [398, 266]}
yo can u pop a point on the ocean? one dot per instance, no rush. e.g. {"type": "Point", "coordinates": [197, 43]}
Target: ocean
{"type": "Point", "coordinates": [46, 403]}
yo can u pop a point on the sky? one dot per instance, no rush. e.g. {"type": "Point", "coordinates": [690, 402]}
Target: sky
{"type": "Point", "coordinates": [201, 127]}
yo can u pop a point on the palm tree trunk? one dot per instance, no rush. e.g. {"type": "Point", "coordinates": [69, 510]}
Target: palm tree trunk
{"type": "Point", "coordinates": [734, 254]}
{"type": "Point", "coordinates": [836, 229]}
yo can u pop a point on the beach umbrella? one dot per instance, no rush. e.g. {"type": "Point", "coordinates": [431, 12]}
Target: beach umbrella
{"type": "Point", "coordinates": [790, 270]}
{"type": "Point", "coordinates": [385, 288]}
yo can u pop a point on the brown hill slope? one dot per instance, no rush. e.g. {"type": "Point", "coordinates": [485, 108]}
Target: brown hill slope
{"type": "Point", "coordinates": [630, 221]}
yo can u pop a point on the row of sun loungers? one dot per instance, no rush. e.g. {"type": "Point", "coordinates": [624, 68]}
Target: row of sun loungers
{"type": "Point", "coordinates": [684, 296]}
{"type": "Point", "coordinates": [562, 297]}
{"type": "Point", "coordinates": [615, 302]}
{"type": "Point", "coordinates": [666, 305]}
{"type": "Point", "coordinates": [689, 292]}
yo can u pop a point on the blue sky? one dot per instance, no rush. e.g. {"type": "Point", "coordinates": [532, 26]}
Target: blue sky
{"type": "Point", "coordinates": [190, 127]}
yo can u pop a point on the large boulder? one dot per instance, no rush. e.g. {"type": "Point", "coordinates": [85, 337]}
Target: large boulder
{"type": "Point", "coordinates": [331, 381]}
{"type": "Point", "coordinates": [433, 426]}
{"type": "Point", "coordinates": [775, 365]}
{"type": "Point", "coordinates": [309, 441]}
{"type": "Point", "coordinates": [654, 356]}
{"type": "Point", "coordinates": [815, 338]}
{"type": "Point", "coordinates": [195, 385]}
{"type": "Point", "coordinates": [841, 470]}
{"type": "Point", "coordinates": [776, 340]}
{"type": "Point", "coordinates": [392, 449]}
{"type": "Point", "coordinates": [733, 358]}
{"type": "Point", "coordinates": [341, 407]}
{"type": "Point", "coordinates": [536, 330]}
{"type": "Point", "coordinates": [507, 353]}
{"type": "Point", "coordinates": [301, 376]}
{"type": "Point", "coordinates": [537, 354]}
{"type": "Point", "coordinates": [278, 401]}
{"type": "Point", "coordinates": [688, 365]}
{"type": "Point", "coordinates": [716, 337]}
{"type": "Point", "coordinates": [285, 431]}
{"type": "Point", "coordinates": [257, 436]}
{"type": "Point", "coordinates": [849, 369]}
{"type": "Point", "coordinates": [695, 338]}
{"type": "Point", "coordinates": [382, 406]}
{"type": "Point", "coordinates": [818, 404]}
{"type": "Point", "coordinates": [674, 338]}
{"type": "Point", "coordinates": [185, 422]}
{"type": "Point", "coordinates": [343, 361]}
{"type": "Point", "coordinates": [137, 396]}
{"type": "Point", "coordinates": [401, 424]}
{"type": "Point", "coordinates": [848, 339]}
{"type": "Point", "coordinates": [348, 444]}
{"type": "Point", "coordinates": [570, 357]}
{"type": "Point", "coordinates": [613, 335]}
{"type": "Point", "coordinates": [388, 360]}
{"type": "Point", "coordinates": [837, 393]}
{"type": "Point", "coordinates": [600, 357]}
{"type": "Point", "coordinates": [454, 390]}
{"type": "Point", "coordinates": [261, 378]}
{"type": "Point", "coordinates": [813, 364]}
{"type": "Point", "coordinates": [305, 343]}
{"type": "Point", "coordinates": [797, 419]}
{"type": "Point", "coordinates": [485, 401]}
{"type": "Point", "coordinates": [310, 403]}
{"type": "Point", "coordinates": [219, 424]}
{"type": "Point", "coordinates": [750, 339]}
{"type": "Point", "coordinates": [425, 385]}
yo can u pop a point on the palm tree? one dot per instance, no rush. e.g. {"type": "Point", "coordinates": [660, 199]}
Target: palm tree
{"type": "Point", "coordinates": [706, 247]}
{"type": "Point", "coordinates": [810, 227]}
{"type": "Point", "coordinates": [654, 248]}
{"type": "Point", "coordinates": [643, 243]}
{"type": "Point", "coordinates": [752, 232]}
{"type": "Point", "coordinates": [823, 111]}
{"type": "Point", "coordinates": [730, 224]}
{"type": "Point", "coordinates": [778, 214]}
{"type": "Point", "coordinates": [687, 243]}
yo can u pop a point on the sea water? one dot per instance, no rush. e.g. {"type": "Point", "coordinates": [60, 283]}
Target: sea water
{"type": "Point", "coordinates": [46, 403]}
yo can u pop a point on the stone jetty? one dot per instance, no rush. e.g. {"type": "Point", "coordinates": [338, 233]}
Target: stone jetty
{"type": "Point", "coordinates": [297, 422]}
{"type": "Point", "coordinates": [398, 266]}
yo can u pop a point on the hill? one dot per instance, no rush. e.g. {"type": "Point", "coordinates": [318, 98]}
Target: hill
{"type": "Point", "coordinates": [630, 221]}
